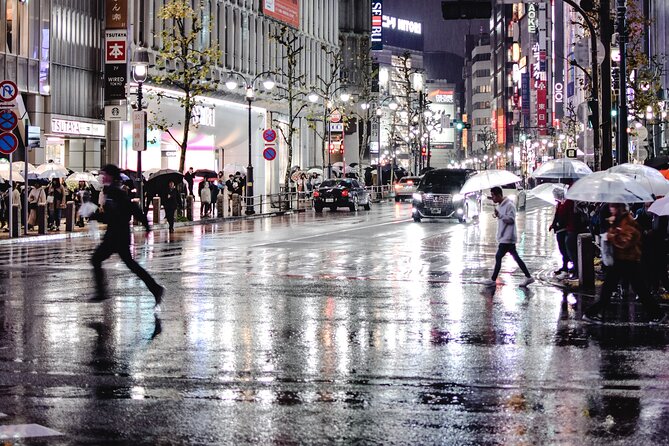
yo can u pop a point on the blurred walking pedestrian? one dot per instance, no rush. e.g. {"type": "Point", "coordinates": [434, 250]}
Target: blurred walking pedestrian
{"type": "Point", "coordinates": [36, 197]}
{"type": "Point", "coordinates": [214, 197]}
{"type": "Point", "coordinates": [505, 212]}
{"type": "Point", "coordinates": [559, 226]}
{"type": "Point", "coordinates": [205, 199]}
{"type": "Point", "coordinates": [118, 209]}
{"type": "Point", "coordinates": [189, 176]}
{"type": "Point", "coordinates": [625, 236]}
{"type": "Point", "coordinates": [170, 203]}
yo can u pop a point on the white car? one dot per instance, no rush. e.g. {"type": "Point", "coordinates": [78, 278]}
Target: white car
{"type": "Point", "coordinates": [406, 187]}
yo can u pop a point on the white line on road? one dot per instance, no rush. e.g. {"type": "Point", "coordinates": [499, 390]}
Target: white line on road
{"type": "Point", "coordinates": [14, 431]}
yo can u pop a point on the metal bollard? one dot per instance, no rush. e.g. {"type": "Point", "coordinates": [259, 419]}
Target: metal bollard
{"type": "Point", "coordinates": [156, 210]}
{"type": "Point", "coordinates": [236, 205]}
{"type": "Point", "coordinates": [69, 216]}
{"type": "Point", "coordinates": [220, 204]}
{"type": "Point", "coordinates": [136, 222]}
{"type": "Point", "coordinates": [586, 261]}
{"type": "Point", "coordinates": [189, 207]}
{"type": "Point", "coordinates": [16, 220]}
{"type": "Point", "coordinates": [41, 219]}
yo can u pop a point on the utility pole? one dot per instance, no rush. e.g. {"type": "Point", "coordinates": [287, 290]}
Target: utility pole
{"type": "Point", "coordinates": [606, 31]}
{"type": "Point", "coordinates": [623, 156]}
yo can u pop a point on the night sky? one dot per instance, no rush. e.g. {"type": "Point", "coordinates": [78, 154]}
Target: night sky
{"type": "Point", "coordinates": [439, 34]}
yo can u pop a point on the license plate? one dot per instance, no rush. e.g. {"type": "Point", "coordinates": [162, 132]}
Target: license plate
{"type": "Point", "coordinates": [435, 210]}
{"type": "Point", "coordinates": [329, 200]}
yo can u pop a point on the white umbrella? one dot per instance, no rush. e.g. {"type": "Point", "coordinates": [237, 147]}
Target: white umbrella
{"type": "Point", "coordinates": [51, 170]}
{"type": "Point", "coordinates": [660, 207]}
{"type": "Point", "coordinates": [73, 180]}
{"type": "Point", "coordinates": [562, 168]}
{"type": "Point", "coordinates": [544, 191]}
{"type": "Point", "coordinates": [651, 179]}
{"type": "Point", "coordinates": [316, 170]}
{"type": "Point", "coordinates": [338, 164]}
{"type": "Point", "coordinates": [608, 187]}
{"type": "Point", "coordinates": [487, 179]}
{"type": "Point", "coordinates": [4, 176]}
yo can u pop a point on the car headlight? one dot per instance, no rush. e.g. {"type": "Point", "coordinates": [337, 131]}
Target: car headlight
{"type": "Point", "coordinates": [417, 197]}
{"type": "Point", "coordinates": [460, 211]}
{"type": "Point", "coordinates": [458, 197]}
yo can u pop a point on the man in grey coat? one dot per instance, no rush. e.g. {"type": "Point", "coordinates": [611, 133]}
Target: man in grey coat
{"type": "Point", "coordinates": [505, 212]}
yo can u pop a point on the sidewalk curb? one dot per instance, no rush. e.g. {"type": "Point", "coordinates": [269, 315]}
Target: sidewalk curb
{"type": "Point", "coordinates": [140, 228]}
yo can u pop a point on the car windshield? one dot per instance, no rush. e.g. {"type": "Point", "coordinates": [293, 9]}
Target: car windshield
{"type": "Point", "coordinates": [336, 183]}
{"type": "Point", "coordinates": [440, 183]}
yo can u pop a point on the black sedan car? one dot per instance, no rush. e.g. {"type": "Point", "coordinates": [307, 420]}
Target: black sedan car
{"type": "Point", "coordinates": [341, 192]}
{"type": "Point", "coordinates": [438, 196]}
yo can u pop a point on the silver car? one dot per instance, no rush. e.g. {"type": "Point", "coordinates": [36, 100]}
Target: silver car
{"type": "Point", "coordinates": [406, 187]}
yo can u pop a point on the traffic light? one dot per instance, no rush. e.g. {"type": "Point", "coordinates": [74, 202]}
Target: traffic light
{"type": "Point", "coordinates": [459, 125]}
{"type": "Point", "coordinates": [423, 151]}
{"type": "Point", "coordinates": [593, 107]}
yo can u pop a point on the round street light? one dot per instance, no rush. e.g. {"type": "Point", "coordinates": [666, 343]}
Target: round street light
{"type": "Point", "coordinates": [231, 85]}
{"type": "Point", "coordinates": [393, 106]}
{"type": "Point", "coordinates": [345, 97]}
{"type": "Point", "coordinates": [269, 84]}
{"type": "Point", "coordinates": [313, 97]}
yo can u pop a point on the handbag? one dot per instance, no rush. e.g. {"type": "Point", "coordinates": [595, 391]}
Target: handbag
{"type": "Point", "coordinates": [607, 251]}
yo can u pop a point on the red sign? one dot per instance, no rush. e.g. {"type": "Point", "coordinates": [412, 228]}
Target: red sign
{"type": "Point", "coordinates": [8, 91]}
{"type": "Point", "coordinates": [286, 11]}
{"type": "Point", "coordinates": [335, 116]}
{"type": "Point", "coordinates": [116, 46]}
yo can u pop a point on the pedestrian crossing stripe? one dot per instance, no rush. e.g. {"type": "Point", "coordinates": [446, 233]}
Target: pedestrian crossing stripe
{"type": "Point", "coordinates": [2, 415]}
{"type": "Point", "coordinates": [15, 431]}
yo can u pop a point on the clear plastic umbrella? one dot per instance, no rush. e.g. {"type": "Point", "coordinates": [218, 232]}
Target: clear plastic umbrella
{"type": "Point", "coordinates": [4, 176]}
{"type": "Point", "coordinates": [51, 170]}
{"type": "Point", "coordinates": [545, 192]}
{"type": "Point", "coordinates": [73, 180]}
{"type": "Point", "coordinates": [607, 187]}
{"type": "Point", "coordinates": [660, 207]}
{"type": "Point", "coordinates": [487, 179]}
{"type": "Point", "coordinates": [562, 168]}
{"type": "Point", "coordinates": [651, 179]}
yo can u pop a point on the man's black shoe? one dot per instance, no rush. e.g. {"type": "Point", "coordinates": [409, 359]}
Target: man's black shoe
{"type": "Point", "coordinates": [158, 294]}
{"type": "Point", "coordinates": [593, 318]}
{"type": "Point", "coordinates": [99, 298]}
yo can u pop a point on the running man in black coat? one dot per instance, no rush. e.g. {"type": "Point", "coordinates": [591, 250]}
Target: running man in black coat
{"type": "Point", "coordinates": [117, 212]}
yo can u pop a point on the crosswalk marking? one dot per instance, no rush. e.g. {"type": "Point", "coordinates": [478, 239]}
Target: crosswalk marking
{"type": "Point", "coordinates": [14, 431]}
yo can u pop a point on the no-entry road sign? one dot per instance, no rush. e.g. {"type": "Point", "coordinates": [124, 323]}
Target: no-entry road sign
{"type": "Point", "coordinates": [8, 120]}
{"type": "Point", "coordinates": [8, 143]}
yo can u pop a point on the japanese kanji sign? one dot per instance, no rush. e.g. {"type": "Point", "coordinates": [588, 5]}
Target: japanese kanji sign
{"type": "Point", "coordinates": [116, 42]}
{"type": "Point", "coordinates": [116, 14]}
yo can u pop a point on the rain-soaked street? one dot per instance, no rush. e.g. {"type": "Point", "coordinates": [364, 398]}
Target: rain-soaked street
{"type": "Point", "coordinates": [362, 328]}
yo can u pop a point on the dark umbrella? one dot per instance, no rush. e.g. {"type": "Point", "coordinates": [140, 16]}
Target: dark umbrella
{"type": "Point", "coordinates": [425, 169]}
{"type": "Point", "coordinates": [659, 162]}
{"type": "Point", "coordinates": [205, 173]}
{"type": "Point", "coordinates": [161, 179]}
{"type": "Point", "coordinates": [131, 174]}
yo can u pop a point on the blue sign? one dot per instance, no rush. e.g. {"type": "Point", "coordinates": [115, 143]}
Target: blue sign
{"type": "Point", "coordinates": [8, 143]}
{"type": "Point", "coordinates": [8, 120]}
{"type": "Point", "coordinates": [269, 153]}
{"type": "Point", "coordinates": [525, 92]}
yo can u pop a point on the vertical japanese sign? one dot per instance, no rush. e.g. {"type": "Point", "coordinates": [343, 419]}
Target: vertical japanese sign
{"type": "Point", "coordinates": [376, 36]}
{"type": "Point", "coordinates": [525, 94]}
{"type": "Point", "coordinates": [116, 49]}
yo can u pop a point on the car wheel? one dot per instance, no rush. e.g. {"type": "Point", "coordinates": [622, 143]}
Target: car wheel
{"type": "Point", "coordinates": [354, 205]}
{"type": "Point", "coordinates": [318, 209]}
{"type": "Point", "coordinates": [368, 205]}
{"type": "Point", "coordinates": [397, 199]}
{"type": "Point", "coordinates": [463, 217]}
{"type": "Point", "coordinates": [416, 219]}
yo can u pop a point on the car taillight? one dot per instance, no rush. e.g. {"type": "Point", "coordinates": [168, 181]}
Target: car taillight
{"type": "Point", "coordinates": [317, 194]}
{"type": "Point", "coordinates": [398, 186]}
{"type": "Point", "coordinates": [344, 193]}
{"type": "Point", "coordinates": [409, 183]}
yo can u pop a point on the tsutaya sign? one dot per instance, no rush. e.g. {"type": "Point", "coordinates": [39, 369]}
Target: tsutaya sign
{"type": "Point", "coordinates": [77, 128]}
{"type": "Point", "coordinates": [402, 25]}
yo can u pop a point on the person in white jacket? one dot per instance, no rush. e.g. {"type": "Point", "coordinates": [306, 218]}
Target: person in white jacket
{"type": "Point", "coordinates": [505, 212]}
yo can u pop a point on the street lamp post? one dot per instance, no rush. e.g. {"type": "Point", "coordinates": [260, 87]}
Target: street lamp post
{"type": "Point", "coordinates": [249, 87]}
{"type": "Point", "coordinates": [140, 65]}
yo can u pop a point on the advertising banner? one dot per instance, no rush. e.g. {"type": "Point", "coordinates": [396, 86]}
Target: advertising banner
{"type": "Point", "coordinates": [376, 36]}
{"type": "Point", "coordinates": [116, 14]}
{"type": "Point", "coordinates": [286, 11]}
{"type": "Point", "coordinates": [116, 49]}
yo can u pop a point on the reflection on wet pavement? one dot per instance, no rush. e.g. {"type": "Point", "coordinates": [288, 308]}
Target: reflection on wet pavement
{"type": "Point", "coordinates": [349, 328]}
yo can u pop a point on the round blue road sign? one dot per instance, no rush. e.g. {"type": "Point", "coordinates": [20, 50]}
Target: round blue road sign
{"type": "Point", "coordinates": [8, 120]}
{"type": "Point", "coordinates": [269, 135]}
{"type": "Point", "coordinates": [8, 143]}
{"type": "Point", "coordinates": [269, 153]}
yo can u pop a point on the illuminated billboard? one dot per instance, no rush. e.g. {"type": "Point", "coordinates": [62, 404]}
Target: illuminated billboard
{"type": "Point", "coordinates": [286, 11]}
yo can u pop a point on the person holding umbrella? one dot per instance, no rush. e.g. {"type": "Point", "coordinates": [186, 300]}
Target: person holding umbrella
{"type": "Point", "coordinates": [625, 236]}
{"type": "Point", "coordinates": [170, 203]}
{"type": "Point", "coordinates": [505, 212]}
{"type": "Point", "coordinates": [118, 209]}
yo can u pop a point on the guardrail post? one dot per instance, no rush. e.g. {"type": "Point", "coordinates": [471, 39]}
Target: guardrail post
{"type": "Point", "coordinates": [41, 219]}
{"type": "Point", "coordinates": [156, 210]}
{"type": "Point", "coordinates": [189, 207]}
{"type": "Point", "coordinates": [16, 223]}
{"type": "Point", "coordinates": [586, 261]}
{"type": "Point", "coordinates": [220, 205]}
{"type": "Point", "coordinates": [69, 216]}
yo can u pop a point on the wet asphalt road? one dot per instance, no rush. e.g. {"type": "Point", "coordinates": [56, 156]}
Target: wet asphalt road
{"type": "Point", "coordinates": [343, 328]}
